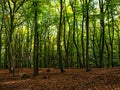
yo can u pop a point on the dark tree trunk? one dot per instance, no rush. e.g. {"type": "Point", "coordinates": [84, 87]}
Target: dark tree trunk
{"type": "Point", "coordinates": [59, 48]}
{"type": "Point", "coordinates": [82, 42]}
{"type": "Point", "coordinates": [1, 39]}
{"type": "Point", "coordinates": [119, 47]}
{"type": "Point", "coordinates": [108, 54]}
{"type": "Point", "coordinates": [118, 39]}
{"type": "Point", "coordinates": [40, 52]}
{"type": "Point", "coordinates": [49, 51]}
{"type": "Point", "coordinates": [45, 54]}
{"type": "Point", "coordinates": [65, 44]}
{"type": "Point", "coordinates": [102, 28]}
{"type": "Point", "coordinates": [35, 39]}
{"type": "Point", "coordinates": [87, 35]}
{"type": "Point", "coordinates": [10, 51]}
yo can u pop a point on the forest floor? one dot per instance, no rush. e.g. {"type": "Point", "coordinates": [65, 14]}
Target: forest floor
{"type": "Point", "coordinates": [71, 79]}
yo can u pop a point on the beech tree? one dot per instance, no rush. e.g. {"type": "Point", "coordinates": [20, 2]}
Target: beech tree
{"type": "Point", "coordinates": [59, 48]}
{"type": "Point", "coordinates": [35, 58]}
{"type": "Point", "coordinates": [59, 33]}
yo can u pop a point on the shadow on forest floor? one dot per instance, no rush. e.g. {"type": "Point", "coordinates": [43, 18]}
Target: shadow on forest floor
{"type": "Point", "coordinates": [71, 79]}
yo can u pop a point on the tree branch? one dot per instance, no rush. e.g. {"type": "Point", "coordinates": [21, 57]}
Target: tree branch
{"type": "Point", "coordinates": [20, 5]}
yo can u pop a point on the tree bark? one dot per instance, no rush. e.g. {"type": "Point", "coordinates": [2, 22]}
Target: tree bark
{"type": "Point", "coordinates": [102, 35]}
{"type": "Point", "coordinates": [36, 45]}
{"type": "Point", "coordinates": [87, 35]}
{"type": "Point", "coordinates": [59, 47]}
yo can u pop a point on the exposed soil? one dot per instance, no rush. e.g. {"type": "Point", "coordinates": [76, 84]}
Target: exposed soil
{"type": "Point", "coordinates": [71, 79]}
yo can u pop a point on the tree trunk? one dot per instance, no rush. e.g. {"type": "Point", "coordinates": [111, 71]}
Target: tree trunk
{"type": "Point", "coordinates": [10, 51]}
{"type": "Point", "coordinates": [102, 28]}
{"type": "Point", "coordinates": [108, 53]}
{"type": "Point", "coordinates": [94, 44]}
{"type": "Point", "coordinates": [59, 47]}
{"type": "Point", "coordinates": [82, 42]}
{"type": "Point", "coordinates": [74, 28]}
{"type": "Point", "coordinates": [87, 35]}
{"type": "Point", "coordinates": [35, 39]}
{"type": "Point", "coordinates": [111, 42]}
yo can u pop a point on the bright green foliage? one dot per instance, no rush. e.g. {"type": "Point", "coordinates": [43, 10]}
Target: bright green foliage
{"type": "Point", "coordinates": [22, 42]}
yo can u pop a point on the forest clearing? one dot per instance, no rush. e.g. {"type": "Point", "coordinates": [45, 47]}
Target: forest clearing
{"type": "Point", "coordinates": [71, 79]}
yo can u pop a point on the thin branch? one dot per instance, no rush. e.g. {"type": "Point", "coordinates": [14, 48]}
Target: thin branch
{"type": "Point", "coordinates": [19, 23]}
{"type": "Point", "coordinates": [19, 5]}
{"type": "Point", "coordinates": [10, 7]}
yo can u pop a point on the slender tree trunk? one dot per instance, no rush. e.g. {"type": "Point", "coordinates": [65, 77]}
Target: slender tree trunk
{"type": "Point", "coordinates": [10, 51]}
{"type": "Point", "coordinates": [65, 45]}
{"type": "Point", "coordinates": [45, 54]}
{"type": "Point", "coordinates": [1, 40]}
{"type": "Point", "coordinates": [94, 45]}
{"type": "Point", "coordinates": [48, 52]}
{"type": "Point", "coordinates": [82, 32]}
{"type": "Point", "coordinates": [119, 46]}
{"type": "Point", "coordinates": [82, 42]}
{"type": "Point", "coordinates": [40, 52]}
{"type": "Point", "coordinates": [102, 28]}
{"type": "Point", "coordinates": [108, 53]}
{"type": "Point", "coordinates": [118, 39]}
{"type": "Point", "coordinates": [59, 47]}
{"type": "Point", "coordinates": [87, 35]}
{"type": "Point", "coordinates": [74, 28]}
{"type": "Point", "coordinates": [35, 39]}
